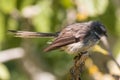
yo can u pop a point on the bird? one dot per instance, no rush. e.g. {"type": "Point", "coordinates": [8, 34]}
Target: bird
{"type": "Point", "coordinates": [73, 39]}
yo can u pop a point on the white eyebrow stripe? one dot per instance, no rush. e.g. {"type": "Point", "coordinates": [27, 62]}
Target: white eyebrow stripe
{"type": "Point", "coordinates": [97, 34]}
{"type": "Point", "coordinates": [103, 28]}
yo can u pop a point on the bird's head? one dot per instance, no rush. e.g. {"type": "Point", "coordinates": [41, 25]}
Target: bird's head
{"type": "Point", "coordinates": [99, 28]}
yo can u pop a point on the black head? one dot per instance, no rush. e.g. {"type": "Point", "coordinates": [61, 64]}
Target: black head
{"type": "Point", "coordinates": [99, 28]}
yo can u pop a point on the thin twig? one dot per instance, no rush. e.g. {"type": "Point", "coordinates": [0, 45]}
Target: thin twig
{"type": "Point", "coordinates": [115, 61]}
{"type": "Point", "coordinates": [106, 44]}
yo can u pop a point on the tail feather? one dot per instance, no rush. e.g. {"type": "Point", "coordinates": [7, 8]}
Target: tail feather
{"type": "Point", "coordinates": [28, 34]}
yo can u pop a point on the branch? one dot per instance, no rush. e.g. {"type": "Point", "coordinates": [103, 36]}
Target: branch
{"type": "Point", "coordinates": [11, 54]}
{"type": "Point", "coordinates": [77, 69]}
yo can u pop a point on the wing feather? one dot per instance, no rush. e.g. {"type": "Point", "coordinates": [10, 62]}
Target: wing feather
{"type": "Point", "coordinates": [70, 34]}
{"type": "Point", "coordinates": [60, 42]}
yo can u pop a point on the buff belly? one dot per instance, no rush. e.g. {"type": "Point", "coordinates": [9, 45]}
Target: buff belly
{"type": "Point", "coordinates": [78, 47]}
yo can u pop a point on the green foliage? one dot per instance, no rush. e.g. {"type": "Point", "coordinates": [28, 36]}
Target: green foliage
{"type": "Point", "coordinates": [7, 6]}
{"type": "Point", "coordinates": [2, 28]}
{"type": "Point", "coordinates": [4, 73]}
{"type": "Point", "coordinates": [47, 16]}
{"type": "Point", "coordinates": [42, 21]}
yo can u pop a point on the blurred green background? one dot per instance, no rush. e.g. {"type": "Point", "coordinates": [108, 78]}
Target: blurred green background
{"type": "Point", "coordinates": [24, 59]}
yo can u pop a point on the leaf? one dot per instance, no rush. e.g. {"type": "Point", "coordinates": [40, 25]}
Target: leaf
{"type": "Point", "coordinates": [7, 6]}
{"type": "Point", "coordinates": [92, 7]}
{"type": "Point", "coordinates": [2, 29]}
{"type": "Point", "coordinates": [99, 49]}
{"type": "Point", "coordinates": [42, 22]}
{"type": "Point", "coordinates": [66, 3]}
{"type": "Point", "coordinates": [4, 73]}
{"type": "Point", "coordinates": [117, 28]}
{"type": "Point", "coordinates": [26, 3]}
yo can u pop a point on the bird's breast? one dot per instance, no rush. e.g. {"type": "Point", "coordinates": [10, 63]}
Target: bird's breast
{"type": "Point", "coordinates": [81, 46]}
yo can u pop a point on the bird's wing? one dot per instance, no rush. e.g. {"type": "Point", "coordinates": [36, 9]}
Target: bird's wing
{"type": "Point", "coordinates": [67, 36]}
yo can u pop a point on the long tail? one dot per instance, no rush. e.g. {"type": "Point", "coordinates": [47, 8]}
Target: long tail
{"type": "Point", "coordinates": [28, 34]}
